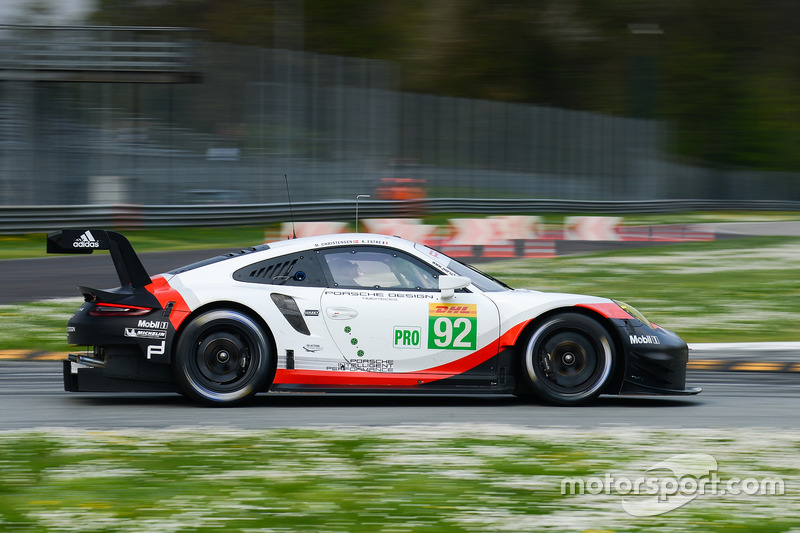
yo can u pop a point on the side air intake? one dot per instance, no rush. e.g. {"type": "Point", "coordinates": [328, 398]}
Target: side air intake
{"type": "Point", "coordinates": [288, 308]}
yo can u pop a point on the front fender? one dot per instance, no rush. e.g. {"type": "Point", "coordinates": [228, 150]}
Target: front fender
{"type": "Point", "coordinates": [655, 359]}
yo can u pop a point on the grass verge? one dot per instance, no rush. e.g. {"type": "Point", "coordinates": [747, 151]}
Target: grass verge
{"type": "Point", "coordinates": [398, 479]}
{"type": "Point", "coordinates": [38, 326]}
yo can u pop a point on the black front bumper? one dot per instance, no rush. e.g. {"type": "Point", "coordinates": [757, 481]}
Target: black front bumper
{"type": "Point", "coordinates": [655, 361]}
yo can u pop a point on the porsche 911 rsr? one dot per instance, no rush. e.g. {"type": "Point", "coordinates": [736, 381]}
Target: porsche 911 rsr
{"type": "Point", "coordinates": [352, 312]}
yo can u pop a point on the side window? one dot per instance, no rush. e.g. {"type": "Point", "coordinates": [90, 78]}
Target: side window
{"type": "Point", "coordinates": [378, 268]}
{"type": "Point", "coordinates": [297, 270]}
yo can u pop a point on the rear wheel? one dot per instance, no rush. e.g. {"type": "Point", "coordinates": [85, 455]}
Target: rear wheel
{"type": "Point", "coordinates": [223, 357]}
{"type": "Point", "coordinates": [568, 359]}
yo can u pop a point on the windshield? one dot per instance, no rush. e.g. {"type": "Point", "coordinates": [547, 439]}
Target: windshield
{"type": "Point", "coordinates": [483, 281]}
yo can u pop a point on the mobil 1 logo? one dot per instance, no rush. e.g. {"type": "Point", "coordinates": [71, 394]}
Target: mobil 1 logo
{"type": "Point", "coordinates": [407, 337]}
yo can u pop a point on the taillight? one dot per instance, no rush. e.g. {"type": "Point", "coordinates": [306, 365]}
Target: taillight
{"type": "Point", "coordinates": [118, 310]}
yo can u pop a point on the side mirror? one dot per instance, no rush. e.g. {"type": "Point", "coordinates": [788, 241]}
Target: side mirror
{"type": "Point", "coordinates": [450, 284]}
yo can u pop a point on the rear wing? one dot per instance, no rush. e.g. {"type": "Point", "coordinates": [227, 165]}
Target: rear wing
{"type": "Point", "coordinates": [129, 268]}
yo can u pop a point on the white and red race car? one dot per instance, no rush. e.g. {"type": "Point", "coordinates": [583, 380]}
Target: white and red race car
{"type": "Point", "coordinates": [352, 312]}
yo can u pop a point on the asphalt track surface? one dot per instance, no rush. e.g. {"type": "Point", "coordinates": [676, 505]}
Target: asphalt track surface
{"type": "Point", "coordinates": [58, 276]}
{"type": "Point", "coordinates": [32, 396]}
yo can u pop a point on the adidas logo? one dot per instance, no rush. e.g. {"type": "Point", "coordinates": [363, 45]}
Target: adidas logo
{"type": "Point", "coordinates": [86, 240]}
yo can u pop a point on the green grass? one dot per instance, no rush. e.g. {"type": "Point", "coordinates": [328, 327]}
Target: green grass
{"type": "Point", "coordinates": [38, 326]}
{"type": "Point", "coordinates": [400, 479]}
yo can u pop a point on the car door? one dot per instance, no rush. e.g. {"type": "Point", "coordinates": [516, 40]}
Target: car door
{"type": "Point", "coordinates": [285, 290]}
{"type": "Point", "coordinates": [386, 315]}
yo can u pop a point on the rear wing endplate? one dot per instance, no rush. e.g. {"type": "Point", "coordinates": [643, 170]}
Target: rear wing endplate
{"type": "Point", "coordinates": [129, 268]}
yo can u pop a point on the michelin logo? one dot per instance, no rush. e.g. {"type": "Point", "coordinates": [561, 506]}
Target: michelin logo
{"type": "Point", "coordinates": [86, 240]}
{"type": "Point", "coordinates": [643, 339]}
{"type": "Point", "coordinates": [145, 333]}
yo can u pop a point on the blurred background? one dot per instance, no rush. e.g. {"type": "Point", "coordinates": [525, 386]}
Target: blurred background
{"type": "Point", "coordinates": [173, 102]}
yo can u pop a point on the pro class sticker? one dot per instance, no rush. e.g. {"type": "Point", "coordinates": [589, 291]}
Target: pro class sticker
{"type": "Point", "coordinates": [407, 337]}
{"type": "Point", "coordinates": [452, 326]}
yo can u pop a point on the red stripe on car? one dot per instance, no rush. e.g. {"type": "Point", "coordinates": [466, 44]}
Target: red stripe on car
{"type": "Point", "coordinates": [385, 379]}
{"type": "Point", "coordinates": [165, 294]}
{"type": "Point", "coordinates": [608, 310]}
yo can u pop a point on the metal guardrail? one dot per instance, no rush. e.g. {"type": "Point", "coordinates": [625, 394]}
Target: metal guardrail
{"type": "Point", "coordinates": [499, 206]}
{"type": "Point", "coordinates": [43, 219]}
{"type": "Point", "coordinates": [97, 53]}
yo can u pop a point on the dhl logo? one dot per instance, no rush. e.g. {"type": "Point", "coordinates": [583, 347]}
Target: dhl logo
{"type": "Point", "coordinates": [453, 310]}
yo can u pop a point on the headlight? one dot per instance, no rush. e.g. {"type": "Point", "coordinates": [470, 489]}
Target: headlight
{"type": "Point", "coordinates": [635, 313]}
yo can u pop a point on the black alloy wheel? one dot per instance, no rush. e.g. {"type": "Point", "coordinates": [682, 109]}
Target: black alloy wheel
{"type": "Point", "coordinates": [223, 357]}
{"type": "Point", "coordinates": [568, 359]}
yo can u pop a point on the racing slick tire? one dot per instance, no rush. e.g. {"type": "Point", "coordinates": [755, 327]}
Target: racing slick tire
{"type": "Point", "coordinates": [568, 359]}
{"type": "Point", "coordinates": [222, 357]}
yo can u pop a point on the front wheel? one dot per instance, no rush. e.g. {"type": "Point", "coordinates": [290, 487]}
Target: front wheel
{"type": "Point", "coordinates": [223, 357]}
{"type": "Point", "coordinates": [568, 359]}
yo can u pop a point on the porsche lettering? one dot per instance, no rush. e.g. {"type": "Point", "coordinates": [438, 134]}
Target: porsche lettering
{"type": "Point", "coordinates": [367, 365]}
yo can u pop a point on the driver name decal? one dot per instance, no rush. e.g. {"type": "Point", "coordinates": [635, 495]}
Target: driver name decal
{"type": "Point", "coordinates": [452, 326]}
